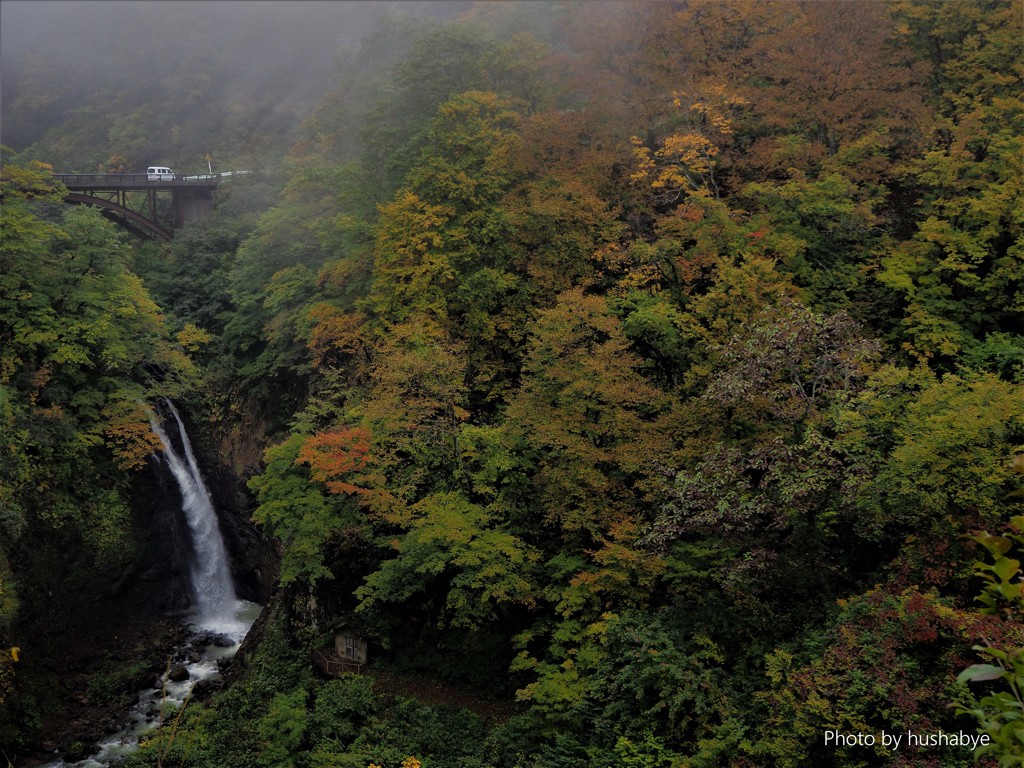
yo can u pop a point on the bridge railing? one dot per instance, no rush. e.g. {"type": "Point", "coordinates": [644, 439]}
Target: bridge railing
{"type": "Point", "coordinates": [129, 179]}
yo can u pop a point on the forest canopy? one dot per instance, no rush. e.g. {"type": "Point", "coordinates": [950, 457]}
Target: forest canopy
{"type": "Point", "coordinates": [654, 370]}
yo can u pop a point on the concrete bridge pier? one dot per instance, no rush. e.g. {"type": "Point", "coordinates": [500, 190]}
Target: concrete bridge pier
{"type": "Point", "coordinates": [190, 205]}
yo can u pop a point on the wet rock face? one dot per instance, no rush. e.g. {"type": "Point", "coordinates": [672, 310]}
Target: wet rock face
{"type": "Point", "coordinates": [253, 560]}
{"type": "Point", "coordinates": [203, 689]}
{"type": "Point", "coordinates": [75, 751]}
{"type": "Point", "coordinates": [214, 639]}
{"type": "Point", "coordinates": [159, 581]}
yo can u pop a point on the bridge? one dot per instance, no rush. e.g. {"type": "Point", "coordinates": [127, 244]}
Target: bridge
{"type": "Point", "coordinates": [131, 199]}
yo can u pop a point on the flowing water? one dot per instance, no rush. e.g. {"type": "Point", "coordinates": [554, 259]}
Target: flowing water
{"type": "Point", "coordinates": [218, 625]}
{"type": "Point", "coordinates": [209, 571]}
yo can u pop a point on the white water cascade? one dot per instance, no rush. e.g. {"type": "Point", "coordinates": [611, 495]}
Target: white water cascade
{"type": "Point", "coordinates": [209, 571]}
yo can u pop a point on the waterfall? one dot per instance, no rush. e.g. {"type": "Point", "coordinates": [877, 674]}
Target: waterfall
{"type": "Point", "coordinates": [219, 613]}
{"type": "Point", "coordinates": [208, 571]}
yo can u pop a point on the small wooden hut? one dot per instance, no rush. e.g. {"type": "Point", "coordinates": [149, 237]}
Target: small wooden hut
{"type": "Point", "coordinates": [349, 653]}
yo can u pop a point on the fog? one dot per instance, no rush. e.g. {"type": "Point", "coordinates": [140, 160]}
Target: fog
{"type": "Point", "coordinates": [216, 67]}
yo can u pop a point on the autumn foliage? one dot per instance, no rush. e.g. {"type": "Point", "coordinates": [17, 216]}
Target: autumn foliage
{"type": "Point", "coordinates": [333, 455]}
{"type": "Point", "coordinates": [648, 369]}
{"type": "Point", "coordinates": [669, 383]}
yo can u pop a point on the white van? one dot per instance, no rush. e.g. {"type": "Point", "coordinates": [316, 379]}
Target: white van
{"type": "Point", "coordinates": [159, 173]}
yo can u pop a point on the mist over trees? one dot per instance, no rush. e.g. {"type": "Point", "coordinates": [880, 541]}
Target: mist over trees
{"type": "Point", "coordinates": [127, 84]}
{"type": "Point", "coordinates": [643, 380]}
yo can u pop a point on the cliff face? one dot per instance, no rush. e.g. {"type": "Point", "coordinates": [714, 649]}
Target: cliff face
{"type": "Point", "coordinates": [254, 561]}
{"type": "Point", "coordinates": [241, 436]}
{"type": "Point", "coordinates": [159, 581]}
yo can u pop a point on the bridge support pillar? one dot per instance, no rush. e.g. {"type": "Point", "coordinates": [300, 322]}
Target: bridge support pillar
{"type": "Point", "coordinates": [191, 205]}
